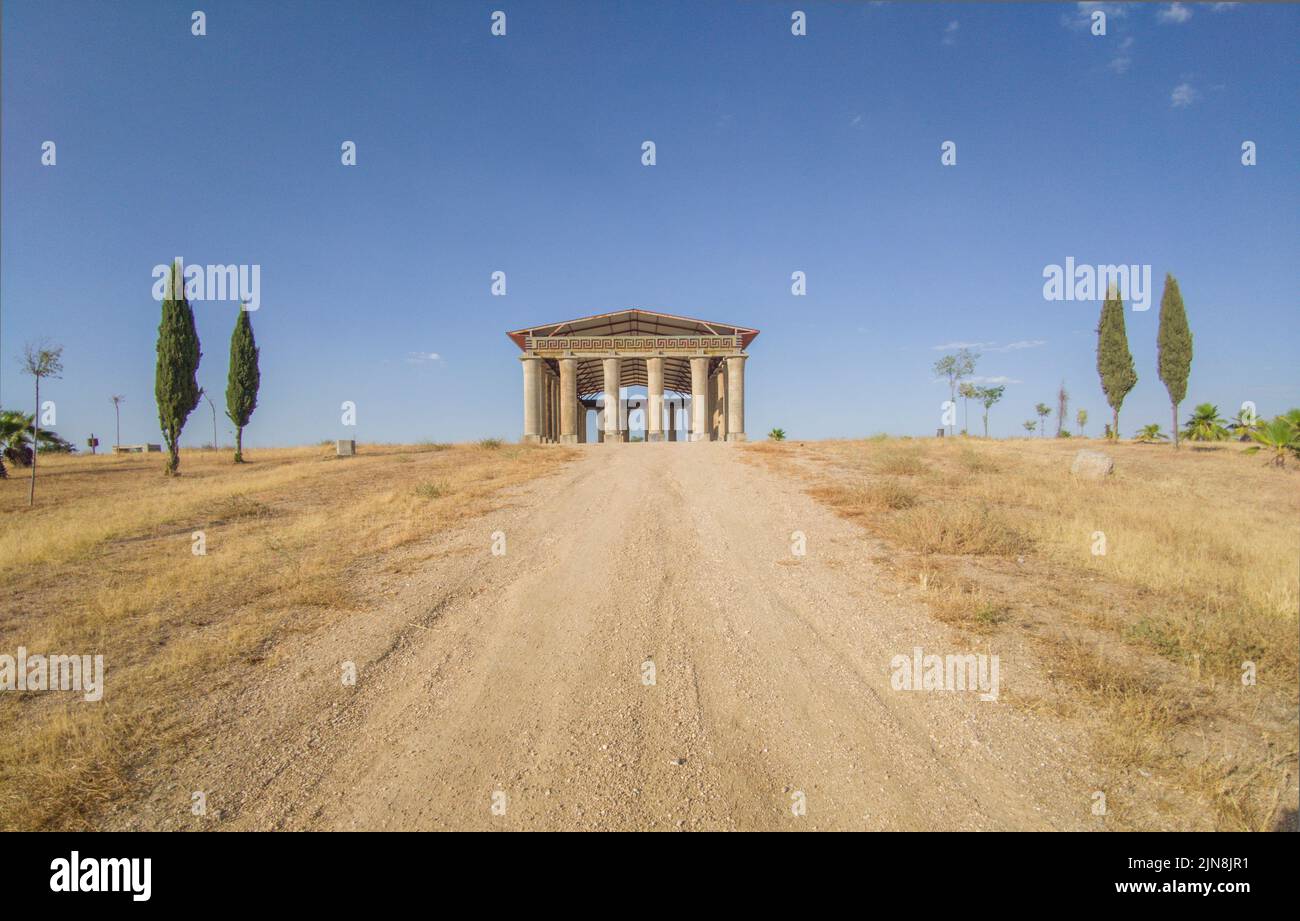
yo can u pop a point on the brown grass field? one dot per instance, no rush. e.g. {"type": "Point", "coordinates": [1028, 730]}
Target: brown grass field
{"type": "Point", "coordinates": [103, 563]}
{"type": "Point", "coordinates": [1147, 642]}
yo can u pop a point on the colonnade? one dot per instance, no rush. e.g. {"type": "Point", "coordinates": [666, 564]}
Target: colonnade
{"type": "Point", "coordinates": [556, 408]}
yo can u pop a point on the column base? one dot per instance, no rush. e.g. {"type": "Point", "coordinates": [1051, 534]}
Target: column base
{"type": "Point", "coordinates": [655, 436]}
{"type": "Point", "coordinates": [736, 436]}
{"type": "Point", "coordinates": [532, 439]}
{"type": "Point", "coordinates": [568, 439]}
{"type": "Point", "coordinates": [699, 436]}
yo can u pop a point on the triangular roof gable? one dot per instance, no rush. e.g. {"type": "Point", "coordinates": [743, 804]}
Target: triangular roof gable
{"type": "Point", "coordinates": [635, 321]}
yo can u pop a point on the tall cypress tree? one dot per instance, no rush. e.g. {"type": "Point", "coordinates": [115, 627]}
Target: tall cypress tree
{"type": "Point", "coordinates": [1174, 344]}
{"type": "Point", "coordinates": [176, 386]}
{"type": "Point", "coordinates": [244, 379]}
{"type": "Point", "coordinates": [1114, 361]}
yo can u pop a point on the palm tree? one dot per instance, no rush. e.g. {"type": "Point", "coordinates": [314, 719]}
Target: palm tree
{"type": "Point", "coordinates": [117, 399]}
{"type": "Point", "coordinates": [1204, 424]}
{"type": "Point", "coordinates": [16, 429]}
{"type": "Point", "coordinates": [1150, 434]}
{"type": "Point", "coordinates": [1081, 418]}
{"type": "Point", "coordinates": [1030, 425]}
{"type": "Point", "coordinates": [1278, 437]}
{"type": "Point", "coordinates": [12, 425]}
{"type": "Point", "coordinates": [777, 434]}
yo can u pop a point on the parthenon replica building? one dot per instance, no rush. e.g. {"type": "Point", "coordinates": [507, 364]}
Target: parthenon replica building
{"type": "Point", "coordinates": [693, 372]}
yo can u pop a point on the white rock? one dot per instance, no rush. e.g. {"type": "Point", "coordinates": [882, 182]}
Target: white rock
{"type": "Point", "coordinates": [1092, 464]}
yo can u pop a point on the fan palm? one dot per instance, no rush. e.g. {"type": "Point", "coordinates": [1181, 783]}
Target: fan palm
{"type": "Point", "coordinates": [1150, 434]}
{"type": "Point", "coordinates": [777, 434]}
{"type": "Point", "coordinates": [1279, 438]}
{"type": "Point", "coordinates": [1244, 424]}
{"type": "Point", "coordinates": [16, 437]}
{"type": "Point", "coordinates": [1204, 424]}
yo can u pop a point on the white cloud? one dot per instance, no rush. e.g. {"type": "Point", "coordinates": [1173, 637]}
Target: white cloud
{"type": "Point", "coordinates": [1222, 7]}
{"type": "Point", "coordinates": [950, 33]}
{"type": "Point", "coordinates": [1000, 379]}
{"type": "Point", "coordinates": [1184, 94]}
{"type": "Point", "coordinates": [418, 357]}
{"type": "Point", "coordinates": [1175, 12]}
{"type": "Point", "coordinates": [990, 346]}
{"type": "Point", "coordinates": [1123, 59]}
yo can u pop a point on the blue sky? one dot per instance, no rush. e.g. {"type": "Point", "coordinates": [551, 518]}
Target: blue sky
{"type": "Point", "coordinates": [522, 153]}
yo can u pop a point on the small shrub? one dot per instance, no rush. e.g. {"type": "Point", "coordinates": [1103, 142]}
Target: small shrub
{"type": "Point", "coordinates": [893, 496]}
{"type": "Point", "coordinates": [975, 530]}
{"type": "Point", "coordinates": [976, 462]}
{"type": "Point", "coordinates": [490, 444]}
{"type": "Point", "coordinates": [432, 490]}
{"type": "Point", "coordinates": [237, 508]}
{"type": "Point", "coordinates": [899, 463]}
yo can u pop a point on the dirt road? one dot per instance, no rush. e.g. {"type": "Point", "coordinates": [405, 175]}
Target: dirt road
{"type": "Point", "coordinates": [524, 676]}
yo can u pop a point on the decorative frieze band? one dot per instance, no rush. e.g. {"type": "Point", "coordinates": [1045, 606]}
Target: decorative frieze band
{"type": "Point", "coordinates": [629, 343]}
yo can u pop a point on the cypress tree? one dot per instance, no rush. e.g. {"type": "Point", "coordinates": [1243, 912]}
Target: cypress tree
{"type": "Point", "coordinates": [244, 379]}
{"type": "Point", "coordinates": [1174, 345]}
{"type": "Point", "coordinates": [1114, 361]}
{"type": "Point", "coordinates": [176, 386]}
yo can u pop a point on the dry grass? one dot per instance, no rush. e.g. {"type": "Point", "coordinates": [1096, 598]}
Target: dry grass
{"type": "Point", "coordinates": [103, 565]}
{"type": "Point", "coordinates": [1199, 576]}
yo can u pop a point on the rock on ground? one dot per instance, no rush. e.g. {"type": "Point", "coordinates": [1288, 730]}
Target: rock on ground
{"type": "Point", "coordinates": [1092, 464]}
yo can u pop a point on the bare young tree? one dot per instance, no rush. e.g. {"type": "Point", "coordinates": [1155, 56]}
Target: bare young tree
{"type": "Point", "coordinates": [203, 393]}
{"type": "Point", "coordinates": [40, 360]}
{"type": "Point", "coordinates": [1062, 407]}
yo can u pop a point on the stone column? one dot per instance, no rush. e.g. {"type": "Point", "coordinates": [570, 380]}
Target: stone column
{"type": "Point", "coordinates": [672, 420]}
{"type": "Point", "coordinates": [711, 412]}
{"type": "Point", "coordinates": [568, 401]}
{"type": "Point", "coordinates": [532, 399]}
{"type": "Point", "coordinates": [546, 405]}
{"type": "Point", "coordinates": [613, 409]}
{"type": "Point", "coordinates": [736, 397]}
{"type": "Point", "coordinates": [699, 399]}
{"type": "Point", "coordinates": [555, 408]}
{"type": "Point", "coordinates": [720, 389]}
{"type": "Point", "coordinates": [654, 413]}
